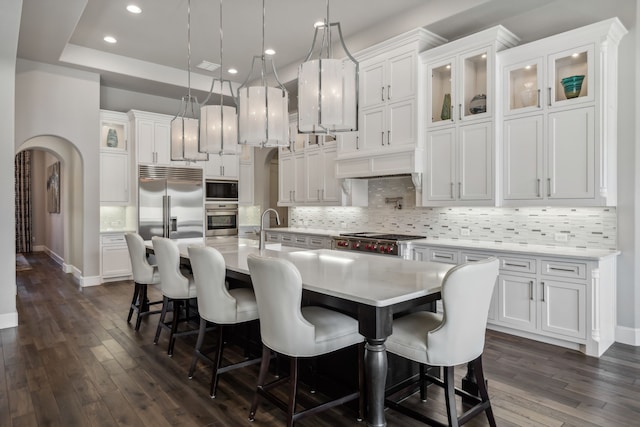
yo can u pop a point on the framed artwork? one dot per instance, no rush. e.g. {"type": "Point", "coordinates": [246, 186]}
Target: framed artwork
{"type": "Point", "coordinates": [53, 188]}
{"type": "Point", "coordinates": [112, 136]}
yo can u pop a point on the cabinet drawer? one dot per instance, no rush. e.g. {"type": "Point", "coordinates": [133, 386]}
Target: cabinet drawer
{"type": "Point", "coordinates": [113, 239]}
{"type": "Point", "coordinates": [272, 237]}
{"type": "Point", "coordinates": [319, 243]}
{"type": "Point", "coordinates": [286, 239]}
{"type": "Point", "coordinates": [522, 265]}
{"type": "Point", "coordinates": [572, 270]}
{"type": "Point", "coordinates": [300, 241]}
{"type": "Point", "coordinates": [443, 255]}
{"type": "Point", "coordinates": [474, 256]}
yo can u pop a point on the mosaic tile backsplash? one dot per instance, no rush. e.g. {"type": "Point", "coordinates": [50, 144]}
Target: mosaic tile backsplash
{"type": "Point", "coordinates": [584, 227]}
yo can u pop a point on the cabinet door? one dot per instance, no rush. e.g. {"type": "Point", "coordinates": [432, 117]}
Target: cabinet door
{"type": "Point", "coordinates": [245, 184]}
{"type": "Point", "coordinates": [114, 178]}
{"type": "Point", "coordinates": [347, 142]}
{"type": "Point", "coordinates": [230, 167]}
{"type": "Point", "coordinates": [314, 176]}
{"type": "Point", "coordinates": [372, 83]}
{"type": "Point", "coordinates": [475, 162]}
{"type": "Point", "coordinates": [213, 166]}
{"type": "Point", "coordinates": [475, 84]}
{"type": "Point", "coordinates": [332, 191]}
{"type": "Point", "coordinates": [517, 304]}
{"type": "Point", "coordinates": [570, 166]}
{"type": "Point", "coordinates": [144, 141]}
{"type": "Point", "coordinates": [571, 64]}
{"type": "Point", "coordinates": [286, 180]}
{"type": "Point", "coordinates": [162, 142]}
{"type": "Point", "coordinates": [523, 158]}
{"type": "Point", "coordinates": [401, 123]}
{"type": "Point", "coordinates": [372, 132]}
{"type": "Point", "coordinates": [441, 175]}
{"type": "Point", "coordinates": [299, 193]}
{"type": "Point", "coordinates": [440, 89]}
{"type": "Point", "coordinates": [420, 254]}
{"type": "Point", "coordinates": [115, 261]}
{"type": "Point", "coordinates": [562, 308]}
{"type": "Point", "coordinates": [401, 80]}
{"type": "Point", "coordinates": [523, 85]}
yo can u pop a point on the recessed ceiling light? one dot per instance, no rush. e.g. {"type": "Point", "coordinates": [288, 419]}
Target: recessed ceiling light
{"type": "Point", "coordinates": [269, 51]}
{"type": "Point", "coordinates": [232, 71]}
{"type": "Point", "coordinates": [134, 9]}
{"type": "Point", "coordinates": [110, 39]}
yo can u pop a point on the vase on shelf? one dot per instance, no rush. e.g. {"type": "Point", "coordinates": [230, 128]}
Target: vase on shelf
{"type": "Point", "coordinates": [446, 107]}
{"type": "Point", "coordinates": [112, 138]}
{"type": "Point", "coordinates": [527, 96]}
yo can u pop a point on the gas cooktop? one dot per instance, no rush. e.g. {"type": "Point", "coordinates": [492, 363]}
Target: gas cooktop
{"type": "Point", "coordinates": [381, 236]}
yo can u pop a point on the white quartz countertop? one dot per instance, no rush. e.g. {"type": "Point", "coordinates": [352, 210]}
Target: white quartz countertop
{"type": "Point", "coordinates": [365, 278]}
{"type": "Point", "coordinates": [308, 231]}
{"type": "Point", "coordinates": [536, 250]}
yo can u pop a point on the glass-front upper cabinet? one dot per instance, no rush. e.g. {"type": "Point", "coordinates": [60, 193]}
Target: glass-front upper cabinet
{"type": "Point", "coordinates": [556, 80]}
{"type": "Point", "coordinates": [459, 88]}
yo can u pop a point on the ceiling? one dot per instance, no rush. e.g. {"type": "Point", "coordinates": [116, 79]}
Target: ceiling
{"type": "Point", "coordinates": [151, 53]}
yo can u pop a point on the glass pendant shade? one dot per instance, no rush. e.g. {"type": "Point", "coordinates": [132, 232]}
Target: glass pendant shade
{"type": "Point", "coordinates": [327, 96]}
{"type": "Point", "coordinates": [185, 132]}
{"type": "Point", "coordinates": [263, 116]}
{"type": "Point", "coordinates": [218, 130]}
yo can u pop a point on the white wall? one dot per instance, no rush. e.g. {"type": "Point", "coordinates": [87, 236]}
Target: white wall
{"type": "Point", "coordinates": [124, 100]}
{"type": "Point", "coordinates": [54, 222]}
{"type": "Point", "coordinates": [10, 12]}
{"type": "Point", "coordinates": [65, 103]}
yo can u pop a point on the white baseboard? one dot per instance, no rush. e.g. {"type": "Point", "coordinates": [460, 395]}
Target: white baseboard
{"type": "Point", "coordinates": [90, 281]}
{"type": "Point", "coordinates": [68, 268]}
{"type": "Point", "coordinates": [9, 320]}
{"type": "Point", "coordinates": [54, 256]}
{"type": "Point", "coordinates": [39, 248]}
{"type": "Point", "coordinates": [626, 335]}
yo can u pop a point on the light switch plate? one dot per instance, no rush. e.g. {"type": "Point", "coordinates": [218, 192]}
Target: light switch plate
{"type": "Point", "coordinates": [561, 237]}
{"type": "Point", "coordinates": [465, 232]}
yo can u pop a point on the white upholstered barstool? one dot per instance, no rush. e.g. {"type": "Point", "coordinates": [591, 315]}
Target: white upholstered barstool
{"type": "Point", "coordinates": [177, 289]}
{"type": "Point", "coordinates": [297, 332]}
{"type": "Point", "coordinates": [218, 305]}
{"type": "Point", "coordinates": [144, 274]}
{"type": "Point", "coordinates": [452, 338]}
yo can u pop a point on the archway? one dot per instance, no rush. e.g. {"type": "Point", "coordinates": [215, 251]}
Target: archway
{"type": "Point", "coordinates": [71, 217]}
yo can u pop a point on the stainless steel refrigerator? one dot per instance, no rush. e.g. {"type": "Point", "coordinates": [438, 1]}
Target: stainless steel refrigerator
{"type": "Point", "coordinates": [170, 202]}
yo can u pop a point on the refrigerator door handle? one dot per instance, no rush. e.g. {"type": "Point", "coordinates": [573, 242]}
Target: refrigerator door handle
{"type": "Point", "coordinates": [167, 220]}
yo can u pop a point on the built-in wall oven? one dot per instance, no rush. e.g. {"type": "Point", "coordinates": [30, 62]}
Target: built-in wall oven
{"type": "Point", "coordinates": [221, 219]}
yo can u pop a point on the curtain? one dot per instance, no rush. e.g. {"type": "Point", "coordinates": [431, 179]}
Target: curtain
{"type": "Point", "coordinates": [23, 201]}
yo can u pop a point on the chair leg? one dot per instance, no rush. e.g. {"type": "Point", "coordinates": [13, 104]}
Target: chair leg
{"type": "Point", "coordinates": [450, 396]}
{"type": "Point", "coordinates": [361, 386]}
{"type": "Point", "coordinates": [163, 315]}
{"type": "Point", "coordinates": [199, 342]}
{"type": "Point", "coordinates": [293, 390]}
{"type": "Point", "coordinates": [136, 290]}
{"type": "Point", "coordinates": [264, 368]}
{"type": "Point", "coordinates": [482, 388]}
{"type": "Point", "coordinates": [423, 388]}
{"type": "Point", "coordinates": [143, 304]}
{"type": "Point", "coordinates": [177, 306]}
{"type": "Point", "coordinates": [217, 362]}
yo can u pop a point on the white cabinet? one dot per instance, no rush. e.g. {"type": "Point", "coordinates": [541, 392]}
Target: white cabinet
{"type": "Point", "coordinates": [114, 257]}
{"type": "Point", "coordinates": [291, 179]}
{"type": "Point", "coordinates": [299, 240]}
{"type": "Point", "coordinates": [560, 148]}
{"type": "Point", "coordinates": [460, 95]}
{"type": "Point", "coordinates": [388, 132]}
{"type": "Point", "coordinates": [246, 176]}
{"type": "Point", "coordinates": [226, 166]}
{"type": "Point", "coordinates": [560, 300]}
{"type": "Point", "coordinates": [152, 135]}
{"type": "Point", "coordinates": [114, 178]}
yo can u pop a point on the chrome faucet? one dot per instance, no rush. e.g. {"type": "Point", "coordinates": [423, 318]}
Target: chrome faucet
{"type": "Point", "coordinates": [262, 237]}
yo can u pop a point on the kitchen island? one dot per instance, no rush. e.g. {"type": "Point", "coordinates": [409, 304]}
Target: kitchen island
{"type": "Point", "coordinates": [370, 287]}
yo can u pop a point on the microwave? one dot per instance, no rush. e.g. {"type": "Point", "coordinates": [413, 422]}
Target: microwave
{"type": "Point", "coordinates": [221, 190]}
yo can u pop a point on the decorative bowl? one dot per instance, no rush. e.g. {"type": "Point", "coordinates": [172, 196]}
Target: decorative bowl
{"type": "Point", "coordinates": [572, 86]}
{"type": "Point", "coordinates": [478, 104]}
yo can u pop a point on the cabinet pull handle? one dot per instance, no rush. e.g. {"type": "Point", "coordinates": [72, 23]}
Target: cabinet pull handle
{"type": "Point", "coordinates": [531, 290]}
{"type": "Point", "coordinates": [453, 119]}
{"type": "Point", "coordinates": [382, 92]}
{"type": "Point", "coordinates": [357, 142]}
{"type": "Point", "coordinates": [459, 111]}
{"type": "Point", "coordinates": [514, 264]}
{"type": "Point", "coordinates": [451, 190]}
{"type": "Point", "coordinates": [388, 137]}
{"type": "Point", "coordinates": [539, 98]}
{"type": "Point", "coordinates": [569, 270]}
{"type": "Point", "coordinates": [538, 186]}
{"type": "Point", "coordinates": [389, 92]}
{"type": "Point", "coordinates": [459, 190]}
{"type": "Point", "coordinates": [542, 283]}
{"type": "Point", "coordinates": [382, 137]}
{"type": "Point", "coordinates": [548, 187]}
{"type": "Point", "coordinates": [442, 256]}
{"type": "Point", "coordinates": [549, 102]}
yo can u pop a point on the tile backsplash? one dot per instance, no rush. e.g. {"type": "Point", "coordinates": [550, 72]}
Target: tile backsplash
{"type": "Point", "coordinates": [591, 227]}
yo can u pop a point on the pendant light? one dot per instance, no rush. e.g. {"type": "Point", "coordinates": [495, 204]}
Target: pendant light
{"type": "Point", "coordinates": [263, 111]}
{"type": "Point", "coordinates": [219, 123]}
{"type": "Point", "coordinates": [327, 87]}
{"type": "Point", "coordinates": [184, 126]}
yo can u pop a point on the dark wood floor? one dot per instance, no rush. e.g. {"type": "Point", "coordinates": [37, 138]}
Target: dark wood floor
{"type": "Point", "coordinates": [75, 361]}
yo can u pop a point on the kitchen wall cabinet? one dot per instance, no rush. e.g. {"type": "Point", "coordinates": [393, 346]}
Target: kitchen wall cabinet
{"type": "Point", "coordinates": [388, 131]}
{"type": "Point", "coordinates": [561, 300]}
{"type": "Point", "coordinates": [115, 168]}
{"type": "Point", "coordinates": [152, 136]}
{"type": "Point", "coordinates": [557, 150]}
{"type": "Point", "coordinates": [460, 91]}
{"type": "Point", "coordinates": [114, 257]}
{"type": "Point", "coordinates": [225, 167]}
{"type": "Point", "coordinates": [246, 193]}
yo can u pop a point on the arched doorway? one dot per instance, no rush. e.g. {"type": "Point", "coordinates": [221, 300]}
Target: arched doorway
{"type": "Point", "coordinates": [59, 234]}
{"type": "Point", "coordinates": [266, 183]}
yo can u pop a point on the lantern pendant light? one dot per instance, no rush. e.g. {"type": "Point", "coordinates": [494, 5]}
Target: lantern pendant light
{"type": "Point", "coordinates": [327, 87]}
{"type": "Point", "coordinates": [184, 126]}
{"type": "Point", "coordinates": [263, 111]}
{"type": "Point", "coordinates": [219, 123]}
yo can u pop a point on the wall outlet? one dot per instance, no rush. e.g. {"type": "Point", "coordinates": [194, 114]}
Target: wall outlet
{"type": "Point", "coordinates": [465, 232]}
{"type": "Point", "coordinates": [561, 237]}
